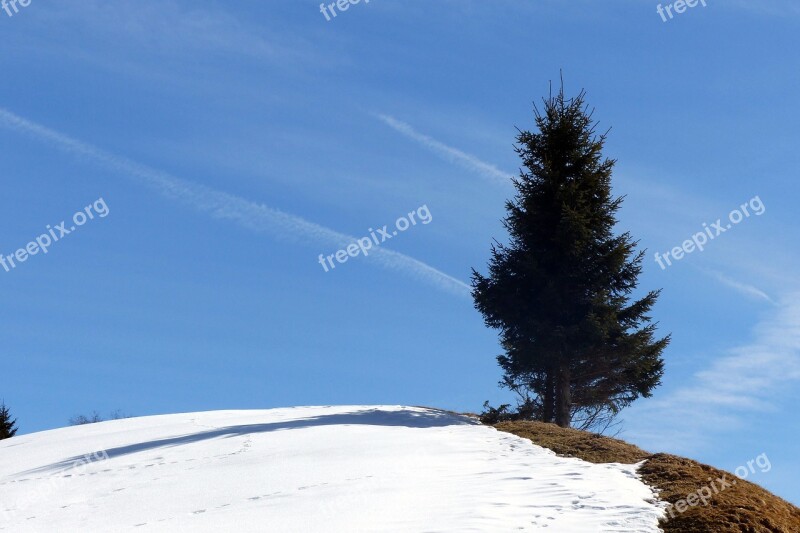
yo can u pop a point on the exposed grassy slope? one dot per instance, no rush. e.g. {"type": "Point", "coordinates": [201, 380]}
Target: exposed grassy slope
{"type": "Point", "coordinates": [739, 507]}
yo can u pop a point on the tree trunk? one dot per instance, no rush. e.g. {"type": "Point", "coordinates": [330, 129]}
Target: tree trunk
{"type": "Point", "coordinates": [549, 397]}
{"type": "Point", "coordinates": [563, 398]}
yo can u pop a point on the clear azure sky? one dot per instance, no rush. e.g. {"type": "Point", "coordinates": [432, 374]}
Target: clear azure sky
{"type": "Point", "coordinates": [235, 142]}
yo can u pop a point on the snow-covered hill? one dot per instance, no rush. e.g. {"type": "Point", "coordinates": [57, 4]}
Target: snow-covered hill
{"type": "Point", "coordinates": [309, 469]}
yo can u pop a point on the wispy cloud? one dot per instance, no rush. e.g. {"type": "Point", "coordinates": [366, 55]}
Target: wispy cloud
{"type": "Point", "coordinates": [170, 28]}
{"type": "Point", "coordinates": [451, 154]}
{"type": "Point", "coordinates": [744, 288]}
{"type": "Point", "coordinates": [743, 382]}
{"type": "Point", "coordinates": [222, 205]}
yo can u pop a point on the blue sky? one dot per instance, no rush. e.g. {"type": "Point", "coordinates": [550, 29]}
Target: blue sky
{"type": "Point", "coordinates": [233, 143]}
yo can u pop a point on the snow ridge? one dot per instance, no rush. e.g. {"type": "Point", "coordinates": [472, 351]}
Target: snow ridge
{"type": "Point", "coordinates": [310, 469]}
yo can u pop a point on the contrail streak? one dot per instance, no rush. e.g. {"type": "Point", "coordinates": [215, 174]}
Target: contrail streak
{"type": "Point", "coordinates": [222, 205]}
{"type": "Point", "coordinates": [452, 154]}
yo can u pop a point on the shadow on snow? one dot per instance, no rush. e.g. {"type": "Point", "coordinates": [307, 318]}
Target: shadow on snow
{"type": "Point", "coordinates": [373, 417]}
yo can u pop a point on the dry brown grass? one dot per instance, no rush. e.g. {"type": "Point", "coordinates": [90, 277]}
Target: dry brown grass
{"type": "Point", "coordinates": [743, 507]}
{"type": "Point", "coordinates": [576, 443]}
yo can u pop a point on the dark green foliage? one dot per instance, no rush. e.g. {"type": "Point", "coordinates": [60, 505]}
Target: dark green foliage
{"type": "Point", "coordinates": [8, 426]}
{"type": "Point", "coordinates": [575, 344]}
{"type": "Point", "coordinates": [492, 415]}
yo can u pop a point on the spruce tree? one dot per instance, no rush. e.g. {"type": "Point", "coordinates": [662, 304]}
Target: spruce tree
{"type": "Point", "coordinates": [7, 426]}
{"type": "Point", "coordinates": [559, 290]}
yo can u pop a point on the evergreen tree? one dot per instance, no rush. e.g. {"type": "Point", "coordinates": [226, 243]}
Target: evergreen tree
{"type": "Point", "coordinates": [7, 426]}
{"type": "Point", "coordinates": [559, 291]}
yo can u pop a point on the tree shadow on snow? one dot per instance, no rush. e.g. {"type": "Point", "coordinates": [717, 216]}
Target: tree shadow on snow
{"type": "Point", "coordinates": [373, 417]}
